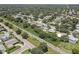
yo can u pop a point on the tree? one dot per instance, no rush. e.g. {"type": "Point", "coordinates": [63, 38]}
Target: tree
{"type": "Point", "coordinates": [44, 21]}
{"type": "Point", "coordinates": [33, 26]}
{"type": "Point", "coordinates": [37, 30]}
{"type": "Point", "coordinates": [10, 26]}
{"type": "Point", "coordinates": [6, 23]}
{"type": "Point", "coordinates": [18, 20]}
{"type": "Point", "coordinates": [75, 50]}
{"type": "Point", "coordinates": [35, 18]}
{"type": "Point", "coordinates": [18, 31]}
{"type": "Point", "coordinates": [1, 20]}
{"type": "Point", "coordinates": [25, 24]}
{"type": "Point", "coordinates": [43, 47]}
{"type": "Point", "coordinates": [42, 35]}
{"type": "Point", "coordinates": [64, 38]}
{"type": "Point", "coordinates": [75, 34]}
{"type": "Point", "coordinates": [25, 35]}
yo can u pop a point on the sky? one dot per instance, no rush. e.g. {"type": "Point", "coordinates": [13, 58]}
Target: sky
{"type": "Point", "coordinates": [39, 1]}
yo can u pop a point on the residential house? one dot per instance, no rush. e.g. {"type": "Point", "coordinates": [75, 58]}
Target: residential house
{"type": "Point", "coordinates": [52, 29]}
{"type": "Point", "coordinates": [77, 28]}
{"type": "Point", "coordinates": [59, 34]}
{"type": "Point", "coordinates": [10, 43]}
{"type": "Point", "coordinates": [2, 48]}
{"type": "Point", "coordinates": [72, 39]}
{"type": "Point", "coordinates": [4, 36]}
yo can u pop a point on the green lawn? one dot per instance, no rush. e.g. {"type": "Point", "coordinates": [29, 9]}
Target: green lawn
{"type": "Point", "coordinates": [50, 51]}
{"type": "Point", "coordinates": [65, 46]}
{"type": "Point", "coordinates": [26, 52]}
{"type": "Point", "coordinates": [68, 46]}
{"type": "Point", "coordinates": [33, 41]}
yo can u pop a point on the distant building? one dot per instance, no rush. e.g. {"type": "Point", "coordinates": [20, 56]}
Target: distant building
{"type": "Point", "coordinates": [72, 39]}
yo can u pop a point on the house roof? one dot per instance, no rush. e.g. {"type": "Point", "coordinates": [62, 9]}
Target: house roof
{"type": "Point", "coordinates": [71, 37]}
{"type": "Point", "coordinates": [51, 30]}
{"type": "Point", "coordinates": [2, 47]}
{"type": "Point", "coordinates": [59, 34]}
{"type": "Point", "coordinates": [5, 35]}
{"type": "Point", "coordinates": [77, 30]}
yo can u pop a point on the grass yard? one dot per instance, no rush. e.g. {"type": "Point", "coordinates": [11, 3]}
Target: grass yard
{"type": "Point", "coordinates": [68, 46]}
{"type": "Point", "coordinates": [26, 52]}
{"type": "Point", "coordinates": [65, 46]}
{"type": "Point", "coordinates": [33, 41]}
{"type": "Point", "coordinates": [50, 51]}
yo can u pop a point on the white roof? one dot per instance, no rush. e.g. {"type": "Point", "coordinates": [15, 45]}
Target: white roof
{"type": "Point", "coordinates": [2, 47]}
{"type": "Point", "coordinates": [59, 34]}
{"type": "Point", "coordinates": [77, 25]}
{"type": "Point", "coordinates": [51, 30]}
{"type": "Point", "coordinates": [71, 37]}
{"type": "Point", "coordinates": [0, 41]}
{"type": "Point", "coordinates": [77, 30]}
{"type": "Point", "coordinates": [5, 35]}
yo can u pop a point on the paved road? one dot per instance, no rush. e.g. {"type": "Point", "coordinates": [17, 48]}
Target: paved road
{"type": "Point", "coordinates": [27, 44]}
{"type": "Point", "coordinates": [57, 49]}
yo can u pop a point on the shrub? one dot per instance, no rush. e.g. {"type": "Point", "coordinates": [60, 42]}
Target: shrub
{"type": "Point", "coordinates": [43, 47]}
{"type": "Point", "coordinates": [6, 23]}
{"type": "Point", "coordinates": [1, 20]}
{"type": "Point", "coordinates": [9, 25]}
{"type": "Point", "coordinates": [25, 35]}
{"type": "Point", "coordinates": [18, 31]}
